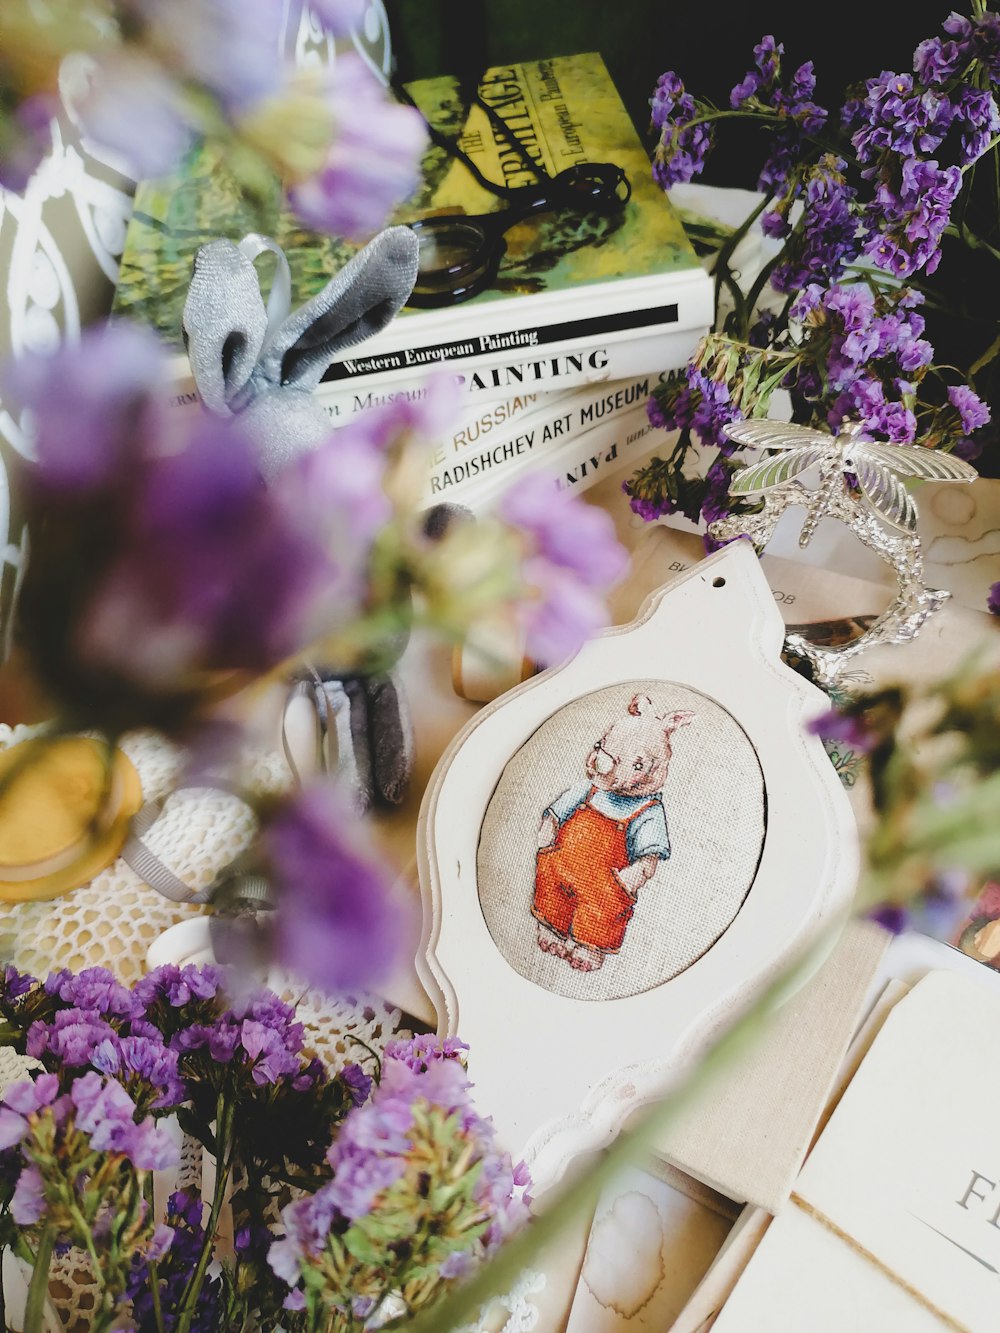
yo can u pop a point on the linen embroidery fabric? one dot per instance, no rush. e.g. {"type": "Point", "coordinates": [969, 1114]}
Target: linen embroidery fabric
{"type": "Point", "coordinates": [624, 834]}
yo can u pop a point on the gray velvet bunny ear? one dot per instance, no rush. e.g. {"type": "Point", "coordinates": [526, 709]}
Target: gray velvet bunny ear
{"type": "Point", "coordinates": [224, 322]}
{"type": "Point", "coordinates": [359, 301]}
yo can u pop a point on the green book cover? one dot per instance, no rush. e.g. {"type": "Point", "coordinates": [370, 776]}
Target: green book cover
{"type": "Point", "coordinates": [563, 110]}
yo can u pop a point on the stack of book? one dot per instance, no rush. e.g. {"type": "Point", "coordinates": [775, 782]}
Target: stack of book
{"type": "Point", "coordinates": [556, 358]}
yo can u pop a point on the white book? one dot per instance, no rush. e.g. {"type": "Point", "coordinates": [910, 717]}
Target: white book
{"type": "Point", "coordinates": [584, 459]}
{"type": "Point", "coordinates": [503, 439]}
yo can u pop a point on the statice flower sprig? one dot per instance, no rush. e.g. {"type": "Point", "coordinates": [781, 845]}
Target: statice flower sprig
{"type": "Point", "coordinates": [388, 1176]}
{"type": "Point", "coordinates": [845, 312]}
{"type": "Point", "coordinates": [419, 1193]}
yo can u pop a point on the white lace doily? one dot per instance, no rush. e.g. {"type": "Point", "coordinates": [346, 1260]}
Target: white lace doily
{"type": "Point", "coordinates": [112, 920]}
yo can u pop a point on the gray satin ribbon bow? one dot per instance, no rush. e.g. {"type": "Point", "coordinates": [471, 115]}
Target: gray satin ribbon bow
{"type": "Point", "coordinates": [264, 361]}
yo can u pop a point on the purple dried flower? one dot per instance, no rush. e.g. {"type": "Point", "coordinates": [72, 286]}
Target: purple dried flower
{"type": "Point", "coordinates": [105, 1112]}
{"type": "Point", "coordinates": [178, 986]}
{"type": "Point", "coordinates": [335, 923]}
{"type": "Point", "coordinates": [190, 37]}
{"type": "Point", "coordinates": [373, 162]}
{"type": "Point", "coordinates": [71, 1037]}
{"type": "Point", "coordinates": [978, 120]}
{"type": "Point", "coordinates": [28, 1203]}
{"type": "Point", "coordinates": [357, 1082]}
{"type": "Point", "coordinates": [95, 989]}
{"type": "Point", "coordinates": [89, 402]}
{"type": "Point", "coordinates": [826, 237]}
{"type": "Point", "coordinates": [905, 225]}
{"type": "Point", "coordinates": [134, 1061]}
{"type": "Point", "coordinates": [135, 109]}
{"type": "Point", "coordinates": [269, 1057]}
{"type": "Point", "coordinates": [844, 729]}
{"type": "Point", "coordinates": [971, 408]}
{"type": "Point", "coordinates": [573, 558]}
{"type": "Point", "coordinates": [682, 148]}
{"type": "Point", "coordinates": [993, 601]}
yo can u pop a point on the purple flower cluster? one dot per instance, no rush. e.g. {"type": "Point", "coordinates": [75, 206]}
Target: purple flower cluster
{"type": "Point", "coordinates": [844, 729]}
{"type": "Point", "coordinates": [682, 148]}
{"type": "Point", "coordinates": [696, 402]}
{"type": "Point", "coordinates": [906, 220]}
{"type": "Point", "coordinates": [375, 1151]}
{"type": "Point", "coordinates": [873, 355]}
{"type": "Point", "coordinates": [260, 1033]}
{"type": "Point", "coordinates": [826, 238]}
{"type": "Point", "coordinates": [798, 114]}
{"type": "Point", "coordinates": [573, 559]}
{"type": "Point", "coordinates": [940, 59]}
{"type": "Point", "coordinates": [99, 1108]}
{"type": "Point", "coordinates": [336, 925]}
{"type": "Point", "coordinates": [373, 161]}
{"type": "Point", "coordinates": [186, 563]}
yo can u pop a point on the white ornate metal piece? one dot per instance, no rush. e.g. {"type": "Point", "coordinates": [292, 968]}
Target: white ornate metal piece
{"type": "Point", "coordinates": [860, 484]}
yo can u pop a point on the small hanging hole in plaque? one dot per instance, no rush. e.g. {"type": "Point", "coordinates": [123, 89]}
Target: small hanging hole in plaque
{"type": "Point", "coordinates": [718, 583]}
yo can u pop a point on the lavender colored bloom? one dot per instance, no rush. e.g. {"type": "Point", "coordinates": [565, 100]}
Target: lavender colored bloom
{"type": "Point", "coordinates": [105, 1112]}
{"type": "Point", "coordinates": [14, 985]}
{"type": "Point", "coordinates": [139, 1059]}
{"type": "Point", "coordinates": [213, 572]}
{"type": "Point", "coordinates": [89, 401]}
{"type": "Point", "coordinates": [714, 410]}
{"type": "Point", "coordinates": [357, 1082]}
{"type": "Point", "coordinates": [573, 558]}
{"type": "Point", "coordinates": [826, 238]}
{"type": "Point", "coordinates": [25, 138]}
{"type": "Point", "coordinates": [905, 226]}
{"type": "Point", "coordinates": [178, 986]}
{"type": "Point", "coordinates": [993, 600]}
{"type": "Point", "coordinates": [174, 1267]}
{"type": "Point", "coordinates": [227, 46]}
{"type": "Point", "coordinates": [937, 60]}
{"type": "Point", "coordinates": [267, 1052]}
{"type": "Point", "coordinates": [335, 924]}
{"type": "Point", "coordinates": [373, 162]}
{"type": "Point", "coordinates": [683, 148]}
{"type": "Point", "coordinates": [842, 728]}
{"type": "Point", "coordinates": [978, 121]}
{"type": "Point", "coordinates": [420, 1052]}
{"type": "Point", "coordinates": [971, 408]}
{"type": "Point", "coordinates": [133, 108]}
{"type": "Point", "coordinates": [28, 1203]}
{"type": "Point", "coordinates": [95, 989]}
{"type": "Point", "coordinates": [716, 504]}
{"type": "Point", "coordinates": [71, 1037]}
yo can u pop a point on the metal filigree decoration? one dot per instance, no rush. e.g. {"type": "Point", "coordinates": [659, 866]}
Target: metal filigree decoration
{"type": "Point", "coordinates": [860, 483]}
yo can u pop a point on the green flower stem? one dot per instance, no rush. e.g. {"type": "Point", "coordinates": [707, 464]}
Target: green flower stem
{"type": "Point", "coordinates": [38, 1289]}
{"type": "Point", "coordinates": [154, 1290]}
{"type": "Point", "coordinates": [461, 1306]}
{"type": "Point", "coordinates": [723, 274]}
{"type": "Point", "coordinates": [223, 1162]}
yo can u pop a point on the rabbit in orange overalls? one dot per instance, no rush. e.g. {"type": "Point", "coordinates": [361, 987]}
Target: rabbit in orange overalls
{"type": "Point", "coordinates": [601, 840]}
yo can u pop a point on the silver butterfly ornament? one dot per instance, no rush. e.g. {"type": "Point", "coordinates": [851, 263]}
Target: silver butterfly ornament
{"type": "Point", "coordinates": [876, 467]}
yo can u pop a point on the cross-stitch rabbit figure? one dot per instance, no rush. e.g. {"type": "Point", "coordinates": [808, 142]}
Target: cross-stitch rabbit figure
{"type": "Point", "coordinates": [263, 363]}
{"type": "Point", "coordinates": [601, 840]}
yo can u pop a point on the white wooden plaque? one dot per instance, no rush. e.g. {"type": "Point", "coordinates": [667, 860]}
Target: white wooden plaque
{"type": "Point", "coordinates": [674, 748]}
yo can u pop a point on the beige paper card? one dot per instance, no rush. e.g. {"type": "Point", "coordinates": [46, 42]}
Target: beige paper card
{"type": "Point", "coordinates": [896, 1216]}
